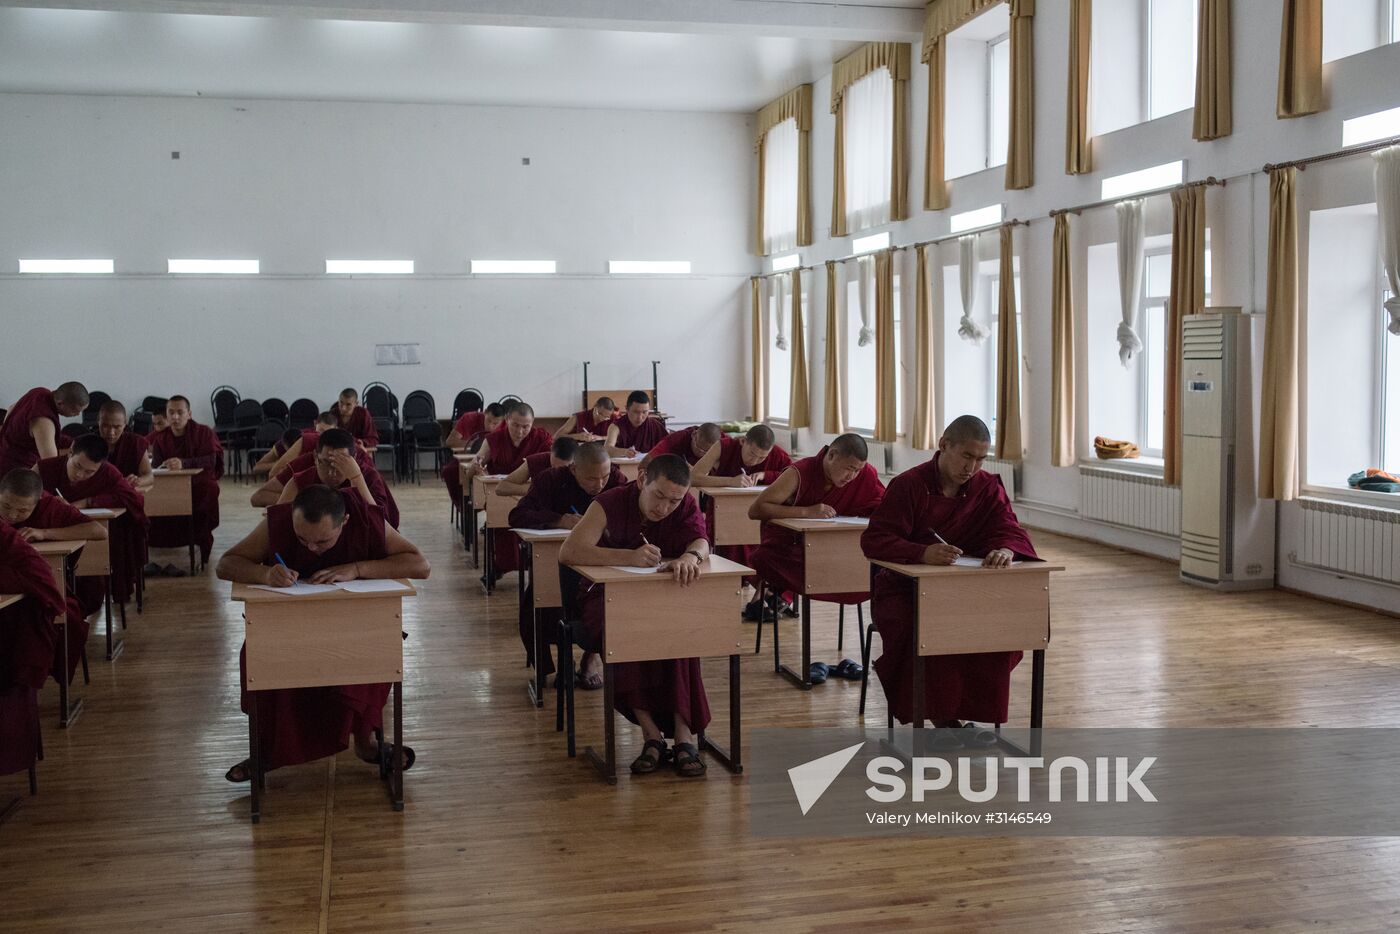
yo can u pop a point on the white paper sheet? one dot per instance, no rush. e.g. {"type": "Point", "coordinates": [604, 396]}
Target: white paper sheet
{"type": "Point", "coordinates": [738, 489]}
{"type": "Point", "coordinates": [845, 520]}
{"type": "Point", "coordinates": [301, 589]}
{"type": "Point", "coordinates": [966, 561]}
{"type": "Point", "coordinates": [618, 567]}
{"type": "Point", "coordinates": [298, 589]}
{"type": "Point", "coordinates": [94, 512]}
{"type": "Point", "coordinates": [373, 585]}
{"type": "Point", "coordinates": [546, 533]}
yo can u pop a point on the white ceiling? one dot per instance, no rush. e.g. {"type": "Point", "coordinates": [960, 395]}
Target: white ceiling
{"type": "Point", "coordinates": [715, 55]}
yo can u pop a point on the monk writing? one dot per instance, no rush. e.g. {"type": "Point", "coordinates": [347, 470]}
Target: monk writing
{"type": "Point", "coordinates": [590, 424]}
{"type": "Point", "coordinates": [263, 467]}
{"type": "Point", "coordinates": [27, 647]}
{"type": "Point", "coordinates": [698, 445]}
{"type": "Point", "coordinates": [304, 442]}
{"type": "Point", "coordinates": [319, 465]}
{"type": "Point", "coordinates": [636, 432]}
{"type": "Point", "coordinates": [655, 523]}
{"type": "Point", "coordinates": [127, 451]}
{"type": "Point", "coordinates": [323, 536]}
{"type": "Point", "coordinates": [469, 431]}
{"type": "Point", "coordinates": [933, 514]}
{"type": "Point", "coordinates": [185, 444]}
{"type": "Point", "coordinates": [754, 460]}
{"type": "Point", "coordinates": [560, 454]}
{"type": "Point", "coordinates": [30, 429]}
{"type": "Point", "coordinates": [501, 452]}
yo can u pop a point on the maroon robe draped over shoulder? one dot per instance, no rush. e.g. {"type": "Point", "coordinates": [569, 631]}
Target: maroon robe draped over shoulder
{"type": "Point", "coordinates": [197, 447]}
{"type": "Point", "coordinates": [553, 494]}
{"type": "Point", "coordinates": [505, 456]}
{"type": "Point", "coordinates": [978, 520]}
{"type": "Point", "coordinates": [641, 438]}
{"type": "Point", "coordinates": [17, 447]}
{"type": "Point", "coordinates": [126, 536]}
{"type": "Point", "coordinates": [470, 425]}
{"type": "Point", "coordinates": [667, 689]}
{"type": "Point", "coordinates": [128, 453]}
{"type": "Point", "coordinates": [28, 639]}
{"type": "Point", "coordinates": [584, 421]}
{"type": "Point", "coordinates": [53, 513]}
{"type": "Point", "coordinates": [778, 558]}
{"type": "Point", "coordinates": [731, 464]}
{"type": "Point", "coordinates": [681, 443]}
{"type": "Point", "coordinates": [297, 725]}
{"type": "Point", "coordinates": [361, 425]}
{"type": "Point", "coordinates": [377, 490]}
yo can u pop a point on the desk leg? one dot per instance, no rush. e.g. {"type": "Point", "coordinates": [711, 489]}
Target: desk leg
{"type": "Point", "coordinates": [189, 527]}
{"type": "Point", "coordinates": [471, 536]}
{"type": "Point", "coordinates": [606, 765]}
{"type": "Point", "coordinates": [68, 707]}
{"type": "Point", "coordinates": [732, 759]}
{"type": "Point", "coordinates": [488, 559]}
{"type": "Point", "coordinates": [141, 583]}
{"type": "Point", "coordinates": [802, 679]}
{"type": "Point", "coordinates": [113, 649]}
{"type": "Point", "coordinates": [916, 718]}
{"type": "Point", "coordinates": [396, 760]}
{"type": "Point", "coordinates": [254, 761]}
{"type": "Point", "coordinates": [1037, 698]}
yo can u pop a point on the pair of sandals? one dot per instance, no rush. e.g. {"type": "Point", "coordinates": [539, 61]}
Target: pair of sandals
{"type": "Point", "coordinates": [818, 672]}
{"type": "Point", "coordinates": [243, 771]}
{"type": "Point", "coordinates": [155, 570]}
{"type": "Point", "coordinates": [963, 736]}
{"type": "Point", "coordinates": [684, 759]}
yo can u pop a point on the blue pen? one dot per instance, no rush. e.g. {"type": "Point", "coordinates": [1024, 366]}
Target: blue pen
{"type": "Point", "coordinates": [283, 563]}
{"type": "Point", "coordinates": [573, 510]}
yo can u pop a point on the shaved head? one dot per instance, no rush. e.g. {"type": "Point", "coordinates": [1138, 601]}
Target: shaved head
{"type": "Point", "coordinates": [22, 482]}
{"type": "Point", "coordinates": [112, 407]}
{"type": "Point", "coordinates": [708, 433]}
{"type": "Point", "coordinates": [851, 445]}
{"type": "Point", "coordinates": [966, 428]}
{"type": "Point", "coordinates": [591, 454]}
{"type": "Point", "coordinates": [71, 393]}
{"type": "Point", "coordinates": [761, 436]}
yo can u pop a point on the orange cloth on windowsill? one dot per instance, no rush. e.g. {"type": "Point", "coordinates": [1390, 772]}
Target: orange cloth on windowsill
{"type": "Point", "coordinates": [1108, 449]}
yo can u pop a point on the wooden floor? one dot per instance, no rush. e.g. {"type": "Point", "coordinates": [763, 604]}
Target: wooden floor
{"type": "Point", "coordinates": [135, 829]}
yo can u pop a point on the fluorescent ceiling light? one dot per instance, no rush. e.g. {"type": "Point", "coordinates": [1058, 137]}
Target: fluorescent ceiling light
{"type": "Point", "coordinates": [971, 220]}
{"type": "Point", "coordinates": [513, 267]}
{"type": "Point", "coordinates": [634, 267]}
{"type": "Point", "coordinates": [1131, 183]}
{"type": "Point", "coordinates": [81, 266]}
{"type": "Point", "coordinates": [378, 267]}
{"type": "Point", "coordinates": [1371, 127]}
{"type": "Point", "coordinates": [213, 267]}
{"type": "Point", "coordinates": [873, 242]}
{"type": "Point", "coordinates": [790, 261]}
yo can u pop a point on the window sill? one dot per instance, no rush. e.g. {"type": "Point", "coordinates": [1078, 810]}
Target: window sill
{"type": "Point", "coordinates": [1141, 466]}
{"type": "Point", "coordinates": [1345, 494]}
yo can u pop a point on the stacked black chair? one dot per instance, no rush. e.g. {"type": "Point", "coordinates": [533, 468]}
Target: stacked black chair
{"type": "Point", "coordinates": [421, 432]}
{"type": "Point", "coordinates": [468, 400]}
{"type": "Point", "coordinates": [247, 416]}
{"type": "Point", "coordinates": [275, 410]}
{"type": "Point", "coordinates": [156, 405]}
{"type": "Point", "coordinates": [508, 399]}
{"type": "Point", "coordinates": [142, 422]}
{"type": "Point", "coordinates": [302, 414]}
{"type": "Point", "coordinates": [265, 438]}
{"type": "Point", "coordinates": [76, 429]}
{"type": "Point", "coordinates": [224, 401]}
{"type": "Point", "coordinates": [96, 400]}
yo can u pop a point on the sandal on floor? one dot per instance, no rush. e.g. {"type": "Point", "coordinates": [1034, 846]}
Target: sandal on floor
{"type": "Point", "coordinates": [688, 763]}
{"type": "Point", "coordinates": [817, 672]}
{"type": "Point", "coordinates": [646, 763]}
{"type": "Point", "coordinates": [848, 669]}
{"type": "Point", "coordinates": [976, 737]}
{"type": "Point", "coordinates": [587, 681]}
{"type": "Point", "coordinates": [242, 772]}
{"type": "Point", "coordinates": [386, 752]}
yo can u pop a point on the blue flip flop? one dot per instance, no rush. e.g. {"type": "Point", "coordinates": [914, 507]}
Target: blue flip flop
{"type": "Point", "coordinates": [817, 672]}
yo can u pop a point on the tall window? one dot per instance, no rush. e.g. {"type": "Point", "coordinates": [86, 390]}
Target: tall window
{"type": "Point", "coordinates": [860, 361]}
{"type": "Point", "coordinates": [998, 99]}
{"type": "Point", "coordinates": [868, 114]}
{"type": "Point", "coordinates": [970, 370]}
{"type": "Point", "coordinates": [1156, 291]}
{"type": "Point", "coordinates": [1170, 45]}
{"type": "Point", "coordinates": [1390, 393]}
{"type": "Point", "coordinates": [1142, 61]}
{"type": "Point", "coordinates": [977, 107]}
{"type": "Point", "coordinates": [780, 188]}
{"type": "Point", "coordinates": [779, 306]}
{"type": "Point", "coordinates": [1353, 26]}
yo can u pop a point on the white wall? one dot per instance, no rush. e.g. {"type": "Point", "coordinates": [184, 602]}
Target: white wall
{"type": "Point", "coordinates": [295, 183]}
{"type": "Point", "coordinates": [1237, 216]}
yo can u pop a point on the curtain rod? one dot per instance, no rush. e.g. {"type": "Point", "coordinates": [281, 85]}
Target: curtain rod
{"type": "Point", "coordinates": [1208, 181]}
{"type": "Point", "coordinates": [1302, 164]}
{"type": "Point", "coordinates": [1014, 222]}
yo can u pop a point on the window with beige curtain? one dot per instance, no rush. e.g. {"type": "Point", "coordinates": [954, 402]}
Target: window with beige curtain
{"type": "Point", "coordinates": [869, 99]}
{"type": "Point", "coordinates": [782, 146]}
{"type": "Point", "coordinates": [967, 377]}
{"type": "Point", "coordinates": [780, 188]}
{"type": "Point", "coordinates": [1142, 61]}
{"type": "Point", "coordinates": [779, 365]}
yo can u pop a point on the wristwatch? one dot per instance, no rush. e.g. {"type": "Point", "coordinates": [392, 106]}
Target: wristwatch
{"type": "Point", "coordinates": [698, 556]}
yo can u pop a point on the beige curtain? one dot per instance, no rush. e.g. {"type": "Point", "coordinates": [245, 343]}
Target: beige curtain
{"type": "Point", "coordinates": [794, 105]}
{"type": "Point", "coordinates": [1214, 115]}
{"type": "Point", "coordinates": [1188, 296]}
{"type": "Point", "coordinates": [1278, 429]}
{"type": "Point", "coordinates": [894, 56]}
{"type": "Point", "coordinates": [834, 396]}
{"type": "Point", "coordinates": [1020, 149]}
{"type": "Point", "coordinates": [799, 415]}
{"type": "Point", "coordinates": [1300, 58]}
{"type": "Point", "coordinates": [1078, 159]}
{"type": "Point", "coordinates": [759, 247]}
{"type": "Point", "coordinates": [886, 368]}
{"type": "Point", "coordinates": [1008, 403]}
{"type": "Point", "coordinates": [935, 185]}
{"type": "Point", "coordinates": [760, 384]}
{"type": "Point", "coordinates": [924, 436]}
{"type": "Point", "coordinates": [1062, 399]}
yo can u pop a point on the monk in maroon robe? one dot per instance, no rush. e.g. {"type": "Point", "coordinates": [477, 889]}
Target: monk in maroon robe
{"type": "Point", "coordinates": [28, 639]}
{"type": "Point", "coordinates": [952, 499]}
{"type": "Point", "coordinates": [336, 463]}
{"type": "Point", "coordinates": [126, 450]}
{"type": "Point", "coordinates": [87, 479]}
{"type": "Point", "coordinates": [324, 536]}
{"type": "Point", "coordinates": [757, 460]}
{"type": "Point", "coordinates": [185, 444]}
{"type": "Point", "coordinates": [636, 432]}
{"type": "Point", "coordinates": [30, 430]}
{"type": "Point", "coordinates": [356, 419]}
{"type": "Point", "coordinates": [468, 432]}
{"type": "Point", "coordinates": [698, 445]}
{"type": "Point", "coordinates": [655, 523]}
{"type": "Point", "coordinates": [836, 481]}
{"type": "Point", "coordinates": [558, 499]}
{"type": "Point", "coordinates": [588, 425]}
{"type": "Point", "coordinates": [501, 452]}
{"type": "Point", "coordinates": [560, 454]}
{"type": "Point", "coordinates": [41, 517]}
{"type": "Point", "coordinates": [303, 441]}
{"type": "Point", "coordinates": [263, 468]}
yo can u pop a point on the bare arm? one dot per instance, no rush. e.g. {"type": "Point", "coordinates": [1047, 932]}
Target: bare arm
{"type": "Point", "coordinates": [516, 483]}
{"type": "Point", "coordinates": [289, 493]}
{"type": "Point", "coordinates": [243, 563]}
{"type": "Point", "coordinates": [566, 430]}
{"type": "Point", "coordinates": [581, 548]}
{"type": "Point", "coordinates": [45, 437]}
{"type": "Point", "coordinates": [772, 503]}
{"type": "Point", "coordinates": [145, 474]}
{"type": "Point", "coordinates": [700, 473]}
{"type": "Point", "coordinates": [612, 447]}
{"type": "Point", "coordinates": [82, 532]}
{"type": "Point", "coordinates": [264, 464]}
{"type": "Point", "coordinates": [402, 560]}
{"type": "Point", "coordinates": [291, 454]}
{"type": "Point", "coordinates": [269, 493]}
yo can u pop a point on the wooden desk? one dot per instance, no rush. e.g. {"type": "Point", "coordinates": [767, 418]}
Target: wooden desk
{"type": "Point", "coordinates": [727, 511]}
{"type": "Point", "coordinates": [63, 561]}
{"type": "Point", "coordinates": [323, 640]}
{"type": "Point", "coordinates": [832, 563]}
{"type": "Point", "coordinates": [483, 491]}
{"type": "Point", "coordinates": [650, 617]}
{"type": "Point", "coordinates": [961, 610]}
{"type": "Point", "coordinates": [171, 497]}
{"type": "Point", "coordinates": [467, 508]}
{"type": "Point", "coordinates": [539, 590]}
{"type": "Point", "coordinates": [9, 599]}
{"type": "Point", "coordinates": [628, 465]}
{"type": "Point", "coordinates": [96, 561]}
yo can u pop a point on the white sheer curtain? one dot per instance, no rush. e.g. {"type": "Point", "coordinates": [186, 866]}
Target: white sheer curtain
{"type": "Point", "coordinates": [866, 267]}
{"type": "Point", "coordinates": [868, 115]}
{"type": "Point", "coordinates": [780, 311]}
{"type": "Point", "coordinates": [1130, 263]}
{"type": "Point", "coordinates": [968, 328]}
{"type": "Point", "coordinates": [1388, 211]}
{"type": "Point", "coordinates": [780, 188]}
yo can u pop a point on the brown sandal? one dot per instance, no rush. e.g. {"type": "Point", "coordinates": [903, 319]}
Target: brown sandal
{"type": "Point", "coordinates": [645, 764]}
{"type": "Point", "coordinates": [688, 763]}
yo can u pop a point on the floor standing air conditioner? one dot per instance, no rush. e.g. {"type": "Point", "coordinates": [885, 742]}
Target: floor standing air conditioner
{"type": "Point", "coordinates": [1227, 534]}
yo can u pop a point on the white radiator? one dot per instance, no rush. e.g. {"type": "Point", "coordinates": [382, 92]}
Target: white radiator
{"type": "Point", "coordinates": [1363, 541]}
{"type": "Point", "coordinates": [1006, 470]}
{"type": "Point", "coordinates": [1137, 501]}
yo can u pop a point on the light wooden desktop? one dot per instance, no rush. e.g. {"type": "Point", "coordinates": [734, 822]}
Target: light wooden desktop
{"type": "Point", "coordinates": [96, 561]}
{"type": "Point", "coordinates": [322, 640]}
{"type": "Point", "coordinates": [629, 466]}
{"type": "Point", "coordinates": [650, 617]}
{"type": "Point", "coordinates": [962, 610]}
{"type": "Point", "coordinates": [484, 500]}
{"type": "Point", "coordinates": [539, 590]}
{"type": "Point", "coordinates": [171, 497]}
{"type": "Point", "coordinates": [832, 563]}
{"type": "Point", "coordinates": [62, 558]}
